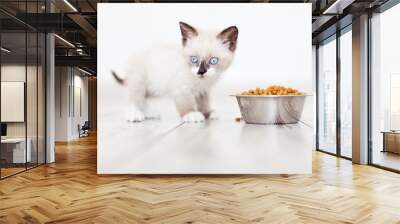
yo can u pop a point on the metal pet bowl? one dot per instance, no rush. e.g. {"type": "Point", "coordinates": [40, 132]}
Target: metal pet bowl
{"type": "Point", "coordinates": [271, 109]}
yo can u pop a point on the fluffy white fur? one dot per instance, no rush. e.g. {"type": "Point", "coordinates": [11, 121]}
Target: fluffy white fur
{"type": "Point", "coordinates": [169, 71]}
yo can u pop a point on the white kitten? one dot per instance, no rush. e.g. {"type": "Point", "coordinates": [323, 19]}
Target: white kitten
{"type": "Point", "coordinates": [186, 73]}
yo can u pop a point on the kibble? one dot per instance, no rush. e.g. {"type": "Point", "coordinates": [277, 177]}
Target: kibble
{"type": "Point", "coordinates": [271, 90]}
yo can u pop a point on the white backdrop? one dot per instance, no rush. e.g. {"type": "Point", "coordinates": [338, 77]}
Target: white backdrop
{"type": "Point", "coordinates": [274, 47]}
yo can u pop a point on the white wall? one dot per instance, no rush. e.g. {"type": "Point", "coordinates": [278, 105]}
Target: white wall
{"type": "Point", "coordinates": [62, 81]}
{"type": "Point", "coordinates": [79, 117]}
{"type": "Point", "coordinates": [314, 87]}
{"type": "Point", "coordinates": [70, 81]}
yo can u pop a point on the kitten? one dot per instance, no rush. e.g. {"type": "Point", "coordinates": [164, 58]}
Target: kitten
{"type": "Point", "coordinates": [186, 73]}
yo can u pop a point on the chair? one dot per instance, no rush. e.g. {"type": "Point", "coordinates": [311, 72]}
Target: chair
{"type": "Point", "coordinates": [84, 130]}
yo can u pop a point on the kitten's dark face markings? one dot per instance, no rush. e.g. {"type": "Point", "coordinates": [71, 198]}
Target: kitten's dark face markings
{"type": "Point", "coordinates": [187, 32]}
{"type": "Point", "coordinates": [202, 68]}
{"type": "Point", "coordinates": [209, 57]}
{"type": "Point", "coordinates": [229, 36]}
{"type": "Point", "coordinates": [203, 65]}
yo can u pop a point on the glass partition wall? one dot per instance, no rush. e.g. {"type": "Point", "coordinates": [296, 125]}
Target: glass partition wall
{"type": "Point", "coordinates": [327, 95]}
{"type": "Point", "coordinates": [334, 80]}
{"type": "Point", "coordinates": [385, 90]}
{"type": "Point", "coordinates": [22, 107]}
{"type": "Point", "coordinates": [346, 93]}
{"type": "Point", "coordinates": [13, 89]}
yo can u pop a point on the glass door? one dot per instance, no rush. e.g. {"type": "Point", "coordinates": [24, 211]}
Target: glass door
{"type": "Point", "coordinates": [327, 96]}
{"type": "Point", "coordinates": [385, 89]}
{"type": "Point", "coordinates": [346, 93]}
{"type": "Point", "coordinates": [14, 155]}
{"type": "Point", "coordinates": [22, 101]}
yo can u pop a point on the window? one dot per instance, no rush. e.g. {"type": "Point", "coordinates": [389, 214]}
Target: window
{"type": "Point", "coordinates": [385, 89]}
{"type": "Point", "coordinates": [346, 93]}
{"type": "Point", "coordinates": [327, 96]}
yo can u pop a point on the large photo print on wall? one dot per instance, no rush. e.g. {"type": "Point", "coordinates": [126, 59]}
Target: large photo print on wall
{"type": "Point", "coordinates": [204, 89]}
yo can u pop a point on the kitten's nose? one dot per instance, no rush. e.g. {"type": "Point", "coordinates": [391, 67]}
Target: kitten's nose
{"type": "Point", "coordinates": [202, 69]}
{"type": "Point", "coordinates": [201, 72]}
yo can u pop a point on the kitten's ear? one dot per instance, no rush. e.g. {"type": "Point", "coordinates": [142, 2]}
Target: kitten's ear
{"type": "Point", "coordinates": [187, 32]}
{"type": "Point", "coordinates": [229, 37]}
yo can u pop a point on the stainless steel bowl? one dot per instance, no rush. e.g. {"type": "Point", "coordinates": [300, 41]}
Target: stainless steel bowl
{"type": "Point", "coordinates": [272, 109]}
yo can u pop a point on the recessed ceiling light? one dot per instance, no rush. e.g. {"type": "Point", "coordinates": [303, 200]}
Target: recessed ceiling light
{"type": "Point", "coordinates": [84, 71]}
{"type": "Point", "coordinates": [5, 50]}
{"type": "Point", "coordinates": [64, 40]}
{"type": "Point", "coordinates": [337, 7]}
{"type": "Point", "coordinates": [70, 5]}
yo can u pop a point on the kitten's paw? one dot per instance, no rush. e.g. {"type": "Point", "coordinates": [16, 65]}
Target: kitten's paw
{"type": "Point", "coordinates": [135, 116]}
{"type": "Point", "coordinates": [213, 116]}
{"type": "Point", "coordinates": [193, 117]}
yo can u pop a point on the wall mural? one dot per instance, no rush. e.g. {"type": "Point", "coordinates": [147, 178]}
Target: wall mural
{"type": "Point", "coordinates": [204, 89]}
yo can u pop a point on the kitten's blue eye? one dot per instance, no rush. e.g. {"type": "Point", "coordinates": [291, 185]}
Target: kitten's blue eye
{"type": "Point", "coordinates": [213, 61]}
{"type": "Point", "coordinates": [194, 59]}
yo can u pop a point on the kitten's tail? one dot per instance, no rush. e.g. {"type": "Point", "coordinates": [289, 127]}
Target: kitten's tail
{"type": "Point", "coordinates": [117, 78]}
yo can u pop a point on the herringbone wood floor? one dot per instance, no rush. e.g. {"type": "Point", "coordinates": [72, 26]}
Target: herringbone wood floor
{"type": "Point", "coordinates": [70, 191]}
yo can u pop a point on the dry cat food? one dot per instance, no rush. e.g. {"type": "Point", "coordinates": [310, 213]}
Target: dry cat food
{"type": "Point", "coordinates": [271, 90]}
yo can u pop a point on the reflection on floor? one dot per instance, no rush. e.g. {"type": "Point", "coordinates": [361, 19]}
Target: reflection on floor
{"type": "Point", "coordinates": [10, 171]}
{"type": "Point", "coordinates": [12, 168]}
{"type": "Point", "coordinates": [70, 191]}
{"type": "Point", "coordinates": [346, 152]}
{"type": "Point", "coordinates": [387, 159]}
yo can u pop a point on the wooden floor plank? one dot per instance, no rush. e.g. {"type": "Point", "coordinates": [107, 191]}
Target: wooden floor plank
{"type": "Point", "coordinates": [70, 191]}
